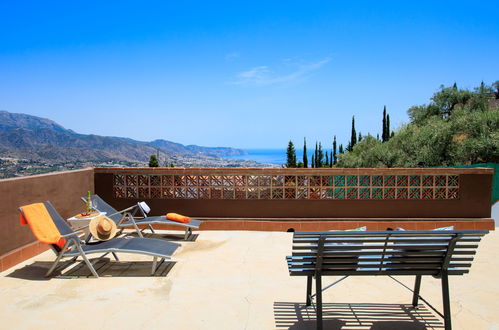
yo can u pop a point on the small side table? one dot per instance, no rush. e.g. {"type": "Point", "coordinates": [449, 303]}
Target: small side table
{"type": "Point", "coordinates": [77, 222]}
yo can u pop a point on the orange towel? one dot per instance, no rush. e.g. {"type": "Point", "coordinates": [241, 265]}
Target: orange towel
{"type": "Point", "coordinates": [177, 217]}
{"type": "Point", "coordinates": [41, 224]}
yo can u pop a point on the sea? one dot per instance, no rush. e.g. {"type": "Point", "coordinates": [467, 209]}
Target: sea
{"type": "Point", "coordinates": [268, 156]}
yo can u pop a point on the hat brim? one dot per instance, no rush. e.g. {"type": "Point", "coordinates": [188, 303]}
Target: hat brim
{"type": "Point", "coordinates": [94, 223]}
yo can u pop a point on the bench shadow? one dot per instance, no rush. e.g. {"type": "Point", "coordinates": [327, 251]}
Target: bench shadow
{"type": "Point", "coordinates": [336, 316]}
{"type": "Point", "coordinates": [105, 267]}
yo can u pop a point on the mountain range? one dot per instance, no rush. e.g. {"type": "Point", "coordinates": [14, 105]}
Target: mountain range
{"type": "Point", "coordinates": [29, 137]}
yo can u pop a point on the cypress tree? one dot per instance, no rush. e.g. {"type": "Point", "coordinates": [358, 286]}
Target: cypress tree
{"type": "Point", "coordinates": [340, 149]}
{"type": "Point", "coordinates": [291, 155]}
{"type": "Point", "coordinates": [313, 161]}
{"type": "Point", "coordinates": [353, 136]}
{"type": "Point", "coordinates": [153, 161]}
{"type": "Point", "coordinates": [326, 162]}
{"type": "Point", "coordinates": [320, 156]}
{"type": "Point", "coordinates": [387, 127]}
{"type": "Point", "coordinates": [331, 159]}
{"type": "Point", "coordinates": [383, 132]}
{"type": "Point", "coordinates": [316, 154]}
{"type": "Point", "coordinates": [360, 137]}
{"type": "Point", "coordinates": [335, 158]}
{"type": "Point", "coordinates": [305, 157]}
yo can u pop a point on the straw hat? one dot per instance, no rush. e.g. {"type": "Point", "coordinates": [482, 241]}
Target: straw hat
{"type": "Point", "coordinates": [102, 228]}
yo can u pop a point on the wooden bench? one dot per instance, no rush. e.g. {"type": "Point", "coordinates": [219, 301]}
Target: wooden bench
{"type": "Point", "coordinates": [352, 253]}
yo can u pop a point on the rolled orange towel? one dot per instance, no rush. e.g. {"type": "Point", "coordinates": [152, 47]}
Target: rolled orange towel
{"type": "Point", "coordinates": [177, 217]}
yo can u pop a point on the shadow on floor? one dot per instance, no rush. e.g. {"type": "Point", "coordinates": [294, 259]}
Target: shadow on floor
{"type": "Point", "coordinates": [336, 316]}
{"type": "Point", "coordinates": [105, 267]}
{"type": "Point", "coordinates": [167, 236]}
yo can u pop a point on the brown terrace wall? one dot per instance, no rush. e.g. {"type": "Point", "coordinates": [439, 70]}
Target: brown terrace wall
{"type": "Point", "coordinates": [62, 189]}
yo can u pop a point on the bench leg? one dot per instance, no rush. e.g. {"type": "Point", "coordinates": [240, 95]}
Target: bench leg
{"type": "Point", "coordinates": [415, 296]}
{"type": "Point", "coordinates": [446, 301]}
{"type": "Point", "coordinates": [318, 300]}
{"type": "Point", "coordinates": [309, 291]}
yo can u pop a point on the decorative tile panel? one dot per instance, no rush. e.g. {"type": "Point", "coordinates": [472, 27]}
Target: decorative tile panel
{"type": "Point", "coordinates": [327, 181]}
{"type": "Point", "coordinates": [289, 193]}
{"type": "Point", "coordinates": [389, 193]}
{"type": "Point", "coordinates": [352, 180]}
{"type": "Point", "coordinates": [339, 180]}
{"type": "Point", "coordinates": [415, 181]}
{"type": "Point", "coordinates": [364, 180]}
{"type": "Point", "coordinates": [185, 185]}
{"type": "Point", "coordinates": [326, 193]}
{"type": "Point", "coordinates": [389, 180]}
{"type": "Point", "coordinates": [453, 180]}
{"type": "Point", "coordinates": [240, 193]}
{"type": "Point", "coordinates": [414, 193]}
{"type": "Point", "coordinates": [315, 181]}
{"type": "Point", "coordinates": [167, 180]}
{"type": "Point", "coordinates": [119, 180]}
{"type": "Point", "coordinates": [265, 193]}
{"type": "Point", "coordinates": [364, 193]}
{"type": "Point", "coordinates": [277, 181]}
{"type": "Point", "coordinates": [143, 180]}
{"type": "Point", "coordinates": [155, 180]}
{"type": "Point", "coordinates": [143, 192]}
{"type": "Point", "coordinates": [402, 193]}
{"type": "Point", "coordinates": [376, 180]}
{"type": "Point", "coordinates": [377, 193]}
{"type": "Point", "coordinates": [277, 193]}
{"type": "Point", "coordinates": [339, 193]}
{"type": "Point", "coordinates": [352, 193]}
{"type": "Point", "coordinates": [402, 181]}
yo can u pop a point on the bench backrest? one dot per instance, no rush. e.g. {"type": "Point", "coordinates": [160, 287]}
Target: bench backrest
{"type": "Point", "coordinates": [384, 252]}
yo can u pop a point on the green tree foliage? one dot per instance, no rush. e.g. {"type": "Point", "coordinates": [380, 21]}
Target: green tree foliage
{"type": "Point", "coordinates": [495, 86]}
{"type": "Point", "coordinates": [457, 127]}
{"type": "Point", "coordinates": [340, 149]}
{"type": "Point", "coordinates": [291, 155]}
{"type": "Point", "coordinates": [305, 157]}
{"type": "Point", "coordinates": [153, 161]}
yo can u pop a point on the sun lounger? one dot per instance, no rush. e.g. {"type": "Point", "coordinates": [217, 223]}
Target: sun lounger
{"type": "Point", "coordinates": [126, 217]}
{"type": "Point", "coordinates": [66, 243]}
{"type": "Point", "coordinates": [388, 253]}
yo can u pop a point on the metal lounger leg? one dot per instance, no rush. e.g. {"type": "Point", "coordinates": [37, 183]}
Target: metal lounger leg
{"type": "Point", "coordinates": [309, 291]}
{"type": "Point", "coordinates": [446, 301]}
{"type": "Point", "coordinates": [151, 228]}
{"type": "Point", "coordinates": [135, 225]}
{"type": "Point", "coordinates": [154, 263]}
{"type": "Point", "coordinates": [188, 232]}
{"type": "Point", "coordinates": [89, 264]}
{"type": "Point", "coordinates": [318, 301]}
{"type": "Point", "coordinates": [59, 257]}
{"type": "Point", "coordinates": [417, 287]}
{"type": "Point", "coordinates": [115, 256]}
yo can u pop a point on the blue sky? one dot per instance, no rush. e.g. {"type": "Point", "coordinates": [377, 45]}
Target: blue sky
{"type": "Point", "coordinates": [250, 75]}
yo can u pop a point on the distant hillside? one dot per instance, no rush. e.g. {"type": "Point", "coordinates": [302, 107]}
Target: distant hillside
{"type": "Point", "coordinates": [31, 137]}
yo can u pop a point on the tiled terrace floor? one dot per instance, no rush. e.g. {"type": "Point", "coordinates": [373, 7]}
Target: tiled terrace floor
{"type": "Point", "coordinates": [235, 280]}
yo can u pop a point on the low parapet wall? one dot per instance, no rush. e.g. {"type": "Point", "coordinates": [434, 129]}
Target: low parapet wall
{"type": "Point", "coordinates": [63, 189]}
{"type": "Point", "coordinates": [281, 194]}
